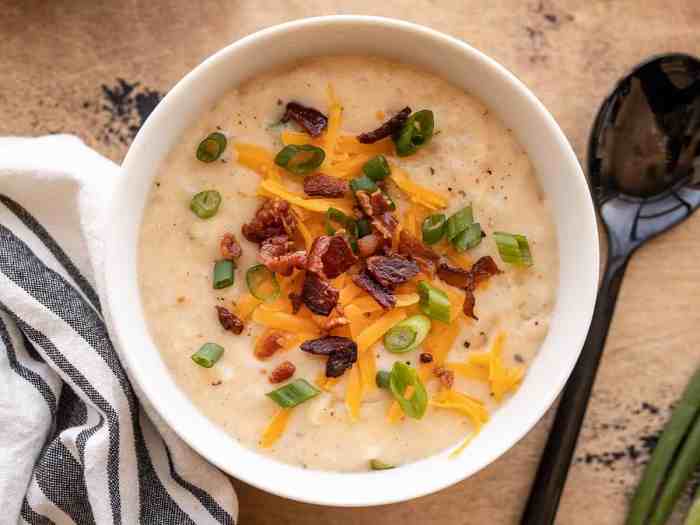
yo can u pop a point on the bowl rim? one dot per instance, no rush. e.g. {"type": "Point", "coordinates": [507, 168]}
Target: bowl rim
{"type": "Point", "coordinates": [287, 488]}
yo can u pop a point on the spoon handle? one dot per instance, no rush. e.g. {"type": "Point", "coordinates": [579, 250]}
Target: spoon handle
{"type": "Point", "coordinates": [551, 475]}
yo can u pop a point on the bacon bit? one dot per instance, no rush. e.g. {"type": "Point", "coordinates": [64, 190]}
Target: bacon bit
{"type": "Point", "coordinates": [330, 256]}
{"type": "Point", "coordinates": [419, 252]}
{"type": "Point", "coordinates": [341, 352]}
{"type": "Point", "coordinates": [367, 245]}
{"type": "Point", "coordinates": [312, 120]}
{"type": "Point", "coordinates": [276, 254]}
{"type": "Point", "coordinates": [269, 343]}
{"type": "Point", "coordinates": [380, 204]}
{"type": "Point", "coordinates": [229, 247]}
{"type": "Point", "coordinates": [391, 271]}
{"type": "Point", "coordinates": [453, 275]}
{"type": "Point", "coordinates": [391, 126]}
{"type": "Point", "coordinates": [318, 294]}
{"type": "Point", "coordinates": [480, 271]}
{"type": "Point", "coordinates": [335, 322]}
{"type": "Point", "coordinates": [384, 226]}
{"type": "Point", "coordinates": [296, 300]}
{"type": "Point", "coordinates": [446, 377]}
{"type": "Point", "coordinates": [426, 357]}
{"type": "Point", "coordinates": [385, 298]}
{"type": "Point", "coordinates": [320, 185]}
{"type": "Point", "coordinates": [273, 218]}
{"type": "Point", "coordinates": [229, 320]}
{"type": "Point", "coordinates": [282, 372]}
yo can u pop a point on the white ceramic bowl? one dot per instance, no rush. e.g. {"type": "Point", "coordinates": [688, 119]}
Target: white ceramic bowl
{"type": "Point", "coordinates": [556, 167]}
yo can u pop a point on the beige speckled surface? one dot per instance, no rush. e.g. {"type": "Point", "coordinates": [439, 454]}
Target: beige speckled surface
{"type": "Point", "coordinates": [55, 57]}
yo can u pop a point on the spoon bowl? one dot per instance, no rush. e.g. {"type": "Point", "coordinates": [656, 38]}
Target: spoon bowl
{"type": "Point", "coordinates": [644, 170]}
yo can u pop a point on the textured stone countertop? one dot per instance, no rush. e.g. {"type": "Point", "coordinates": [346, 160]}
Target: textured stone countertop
{"type": "Point", "coordinates": [96, 69]}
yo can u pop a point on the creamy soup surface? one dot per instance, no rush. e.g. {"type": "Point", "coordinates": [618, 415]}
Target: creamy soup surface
{"type": "Point", "coordinates": [473, 158]}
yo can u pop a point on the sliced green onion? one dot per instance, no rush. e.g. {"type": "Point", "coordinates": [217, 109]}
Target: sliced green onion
{"type": "Point", "coordinates": [377, 168]}
{"type": "Point", "coordinates": [300, 160]}
{"type": "Point", "coordinates": [513, 248]}
{"type": "Point", "coordinates": [334, 215]}
{"type": "Point", "coordinates": [403, 376]}
{"type": "Point", "coordinates": [459, 221]}
{"type": "Point", "coordinates": [433, 228]}
{"type": "Point", "coordinates": [262, 283]}
{"type": "Point", "coordinates": [665, 452]}
{"type": "Point", "coordinates": [416, 132]}
{"type": "Point", "coordinates": [377, 464]}
{"type": "Point", "coordinates": [223, 273]}
{"type": "Point", "coordinates": [469, 238]}
{"type": "Point", "coordinates": [382, 379]}
{"type": "Point", "coordinates": [208, 354]}
{"type": "Point", "coordinates": [364, 227]}
{"type": "Point", "coordinates": [211, 147]}
{"type": "Point", "coordinates": [389, 201]}
{"type": "Point", "coordinates": [407, 335]}
{"type": "Point", "coordinates": [206, 203]}
{"type": "Point", "coordinates": [434, 302]}
{"type": "Point", "coordinates": [363, 183]}
{"type": "Point", "coordinates": [294, 393]}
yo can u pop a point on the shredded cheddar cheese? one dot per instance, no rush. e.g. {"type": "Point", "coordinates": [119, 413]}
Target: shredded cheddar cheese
{"type": "Point", "coordinates": [284, 321]}
{"type": "Point", "coordinates": [245, 306]}
{"type": "Point", "coordinates": [376, 330]}
{"type": "Point", "coordinates": [275, 428]}
{"type": "Point", "coordinates": [353, 394]}
{"type": "Point", "coordinates": [502, 379]}
{"type": "Point", "coordinates": [318, 205]}
{"type": "Point", "coordinates": [417, 193]}
{"type": "Point", "coordinates": [257, 158]}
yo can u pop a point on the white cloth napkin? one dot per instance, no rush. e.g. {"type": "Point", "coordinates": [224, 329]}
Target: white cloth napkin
{"type": "Point", "coordinates": [76, 444]}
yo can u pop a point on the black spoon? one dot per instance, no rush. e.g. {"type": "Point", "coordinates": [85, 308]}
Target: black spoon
{"type": "Point", "coordinates": [644, 146]}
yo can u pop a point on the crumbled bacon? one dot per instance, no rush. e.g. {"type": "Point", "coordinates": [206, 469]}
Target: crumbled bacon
{"type": "Point", "coordinates": [273, 218]}
{"type": "Point", "coordinates": [229, 247]}
{"type": "Point", "coordinates": [269, 343]}
{"type": "Point", "coordinates": [426, 357]}
{"type": "Point", "coordinates": [330, 256]}
{"type": "Point", "coordinates": [318, 294]}
{"type": "Point", "coordinates": [341, 352]}
{"type": "Point", "coordinates": [391, 126]}
{"type": "Point", "coordinates": [419, 252]}
{"type": "Point", "coordinates": [446, 377]}
{"type": "Point", "coordinates": [320, 185]}
{"type": "Point", "coordinates": [312, 120]}
{"type": "Point", "coordinates": [276, 253]}
{"type": "Point", "coordinates": [480, 271]}
{"type": "Point", "coordinates": [384, 226]}
{"type": "Point", "coordinates": [380, 203]}
{"type": "Point", "coordinates": [334, 322]}
{"type": "Point", "coordinates": [385, 298]}
{"type": "Point", "coordinates": [229, 320]}
{"type": "Point", "coordinates": [296, 300]}
{"type": "Point", "coordinates": [365, 202]}
{"type": "Point", "coordinates": [453, 275]}
{"type": "Point", "coordinates": [282, 372]}
{"type": "Point", "coordinates": [367, 245]}
{"type": "Point", "coordinates": [391, 271]}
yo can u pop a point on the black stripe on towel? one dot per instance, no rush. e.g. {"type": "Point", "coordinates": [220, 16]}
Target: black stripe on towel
{"type": "Point", "coordinates": [30, 222]}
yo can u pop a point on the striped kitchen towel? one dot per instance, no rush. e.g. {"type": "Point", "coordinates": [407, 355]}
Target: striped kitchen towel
{"type": "Point", "coordinates": [76, 443]}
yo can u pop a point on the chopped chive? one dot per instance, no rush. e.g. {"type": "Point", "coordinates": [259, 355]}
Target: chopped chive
{"type": "Point", "coordinates": [382, 379]}
{"type": "Point", "coordinates": [205, 204]}
{"type": "Point", "coordinates": [434, 302]}
{"type": "Point", "coordinates": [407, 335]}
{"type": "Point", "coordinates": [208, 355]}
{"type": "Point", "coordinates": [376, 464]}
{"type": "Point", "coordinates": [294, 393]}
{"type": "Point", "coordinates": [211, 147]}
{"type": "Point", "coordinates": [223, 274]}
{"type": "Point", "coordinates": [363, 183]}
{"type": "Point", "coordinates": [300, 160]}
{"type": "Point", "coordinates": [433, 228]}
{"type": "Point", "coordinates": [469, 238]}
{"type": "Point", "coordinates": [377, 168]}
{"type": "Point", "coordinates": [415, 133]}
{"type": "Point", "coordinates": [458, 222]}
{"type": "Point", "coordinates": [262, 283]}
{"type": "Point", "coordinates": [402, 376]}
{"type": "Point", "coordinates": [513, 248]}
